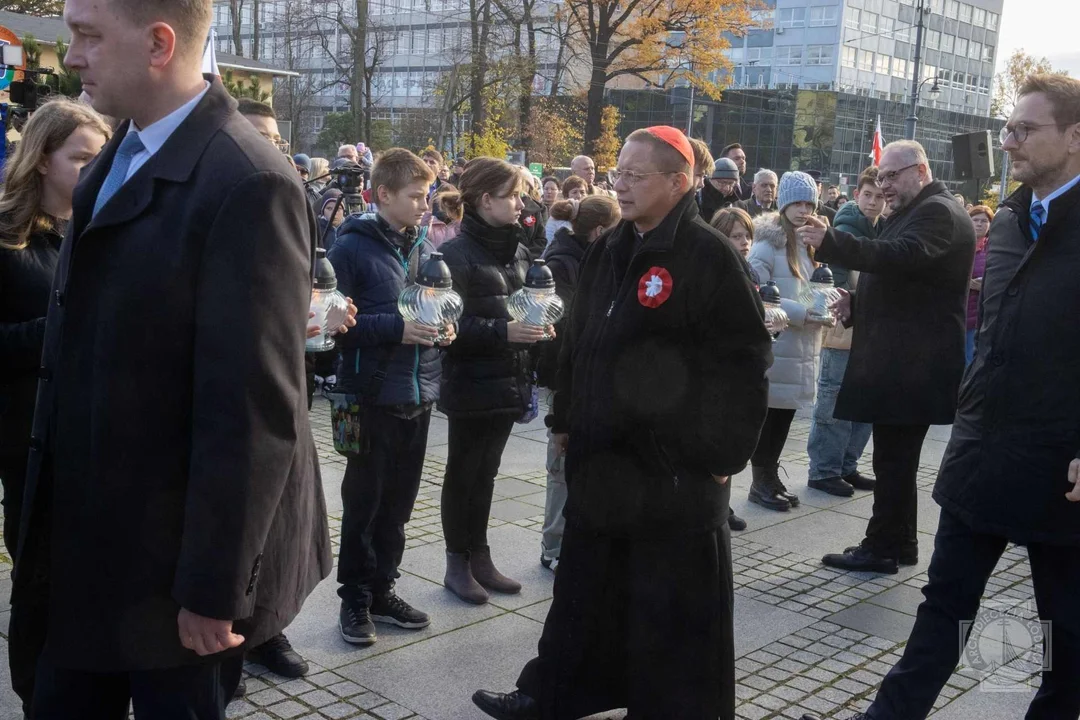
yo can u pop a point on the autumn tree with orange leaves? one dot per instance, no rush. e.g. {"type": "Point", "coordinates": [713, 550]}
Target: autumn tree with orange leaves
{"type": "Point", "coordinates": [658, 41]}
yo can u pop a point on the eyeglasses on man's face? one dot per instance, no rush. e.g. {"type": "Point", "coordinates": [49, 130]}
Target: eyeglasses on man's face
{"type": "Point", "coordinates": [629, 178]}
{"type": "Point", "coordinates": [889, 178]}
{"type": "Point", "coordinates": [1020, 131]}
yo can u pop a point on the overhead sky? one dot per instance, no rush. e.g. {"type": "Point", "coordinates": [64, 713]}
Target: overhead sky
{"type": "Point", "coordinates": [1043, 28]}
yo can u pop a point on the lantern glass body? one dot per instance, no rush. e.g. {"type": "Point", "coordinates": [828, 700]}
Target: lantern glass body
{"type": "Point", "coordinates": [776, 320]}
{"type": "Point", "coordinates": [331, 311]}
{"type": "Point", "coordinates": [817, 298]}
{"type": "Point", "coordinates": [538, 307]}
{"type": "Point", "coordinates": [436, 307]}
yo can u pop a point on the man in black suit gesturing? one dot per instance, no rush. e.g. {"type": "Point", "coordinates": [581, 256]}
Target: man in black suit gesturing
{"type": "Point", "coordinates": [175, 511]}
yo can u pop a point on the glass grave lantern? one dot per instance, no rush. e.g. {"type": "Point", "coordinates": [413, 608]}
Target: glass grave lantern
{"type": "Point", "coordinates": [329, 306]}
{"type": "Point", "coordinates": [537, 303]}
{"type": "Point", "coordinates": [819, 295]}
{"type": "Point", "coordinates": [776, 320]}
{"type": "Point", "coordinates": [431, 300]}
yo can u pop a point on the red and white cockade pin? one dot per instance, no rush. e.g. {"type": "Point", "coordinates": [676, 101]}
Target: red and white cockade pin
{"type": "Point", "coordinates": [654, 287]}
{"type": "Point", "coordinates": [529, 220]}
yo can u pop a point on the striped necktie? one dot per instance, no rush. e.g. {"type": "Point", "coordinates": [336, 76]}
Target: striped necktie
{"type": "Point", "coordinates": [1038, 217]}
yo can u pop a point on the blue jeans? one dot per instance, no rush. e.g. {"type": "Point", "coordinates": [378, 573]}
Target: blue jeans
{"type": "Point", "coordinates": [835, 446]}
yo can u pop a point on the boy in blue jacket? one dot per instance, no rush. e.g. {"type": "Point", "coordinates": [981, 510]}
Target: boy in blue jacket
{"type": "Point", "coordinates": [394, 366]}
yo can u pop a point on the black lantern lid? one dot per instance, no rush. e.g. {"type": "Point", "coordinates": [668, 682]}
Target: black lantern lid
{"type": "Point", "coordinates": [325, 277]}
{"type": "Point", "coordinates": [435, 273]}
{"type": "Point", "coordinates": [822, 275]}
{"type": "Point", "coordinates": [769, 292]}
{"type": "Point", "coordinates": [539, 276]}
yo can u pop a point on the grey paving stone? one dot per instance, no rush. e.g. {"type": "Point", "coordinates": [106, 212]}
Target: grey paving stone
{"type": "Point", "coordinates": [987, 706]}
{"type": "Point", "coordinates": [431, 678]}
{"type": "Point", "coordinates": [266, 697]}
{"type": "Point", "coordinates": [901, 598]}
{"type": "Point", "coordinates": [287, 710]}
{"type": "Point", "coordinates": [339, 711]}
{"type": "Point", "coordinates": [882, 621]}
{"type": "Point", "coordinates": [511, 510]}
{"type": "Point", "coordinates": [760, 624]}
{"type": "Point", "coordinates": [537, 612]}
{"type": "Point", "coordinates": [514, 488]}
{"type": "Point", "coordinates": [318, 698]}
{"type": "Point", "coordinates": [392, 711]}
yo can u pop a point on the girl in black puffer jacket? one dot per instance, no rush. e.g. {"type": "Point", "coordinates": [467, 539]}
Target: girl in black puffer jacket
{"type": "Point", "coordinates": [485, 380]}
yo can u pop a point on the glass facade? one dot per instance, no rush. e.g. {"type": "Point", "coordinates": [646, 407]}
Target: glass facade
{"type": "Point", "coordinates": [802, 129]}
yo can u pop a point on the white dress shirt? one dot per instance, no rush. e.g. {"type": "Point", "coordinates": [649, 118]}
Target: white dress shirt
{"type": "Point", "coordinates": [155, 136]}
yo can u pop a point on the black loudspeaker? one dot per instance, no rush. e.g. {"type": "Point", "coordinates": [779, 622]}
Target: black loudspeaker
{"type": "Point", "coordinates": [973, 156]}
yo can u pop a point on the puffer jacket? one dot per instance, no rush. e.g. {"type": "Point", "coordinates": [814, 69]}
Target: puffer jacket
{"type": "Point", "coordinates": [793, 376]}
{"type": "Point", "coordinates": [483, 374]}
{"type": "Point", "coordinates": [850, 219]}
{"type": "Point", "coordinates": [373, 269]}
{"type": "Point", "coordinates": [532, 225]}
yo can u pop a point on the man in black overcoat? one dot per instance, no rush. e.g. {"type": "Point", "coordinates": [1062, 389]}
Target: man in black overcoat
{"type": "Point", "coordinates": [1011, 472]}
{"type": "Point", "coordinates": [174, 511]}
{"type": "Point", "coordinates": [907, 353]}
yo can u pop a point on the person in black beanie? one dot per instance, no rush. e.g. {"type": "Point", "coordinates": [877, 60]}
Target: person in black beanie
{"type": "Point", "coordinates": [485, 382]}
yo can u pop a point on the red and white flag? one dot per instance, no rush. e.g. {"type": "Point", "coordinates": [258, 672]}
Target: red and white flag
{"type": "Point", "coordinates": [209, 58]}
{"type": "Point", "coordinates": [875, 152]}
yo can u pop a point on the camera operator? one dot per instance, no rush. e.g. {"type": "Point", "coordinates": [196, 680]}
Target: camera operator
{"type": "Point", "coordinates": [57, 142]}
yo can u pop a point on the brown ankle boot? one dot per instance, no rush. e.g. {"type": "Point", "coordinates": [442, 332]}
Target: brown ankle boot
{"type": "Point", "coordinates": [460, 581]}
{"type": "Point", "coordinates": [485, 572]}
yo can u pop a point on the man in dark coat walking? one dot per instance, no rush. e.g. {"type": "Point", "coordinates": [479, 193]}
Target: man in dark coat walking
{"type": "Point", "coordinates": [662, 391]}
{"type": "Point", "coordinates": [1011, 472]}
{"type": "Point", "coordinates": [907, 353]}
{"type": "Point", "coordinates": [173, 504]}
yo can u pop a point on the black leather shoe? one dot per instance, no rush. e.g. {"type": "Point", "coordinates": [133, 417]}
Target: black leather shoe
{"type": "Point", "coordinates": [859, 481]}
{"type": "Point", "coordinates": [507, 706]}
{"type": "Point", "coordinates": [859, 559]}
{"type": "Point", "coordinates": [833, 485]}
{"type": "Point", "coordinates": [909, 557]}
{"type": "Point", "coordinates": [765, 494]}
{"type": "Point", "coordinates": [277, 656]}
{"type": "Point", "coordinates": [735, 522]}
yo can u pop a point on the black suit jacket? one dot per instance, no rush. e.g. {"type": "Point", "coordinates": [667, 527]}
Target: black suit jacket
{"type": "Point", "coordinates": [910, 312]}
{"type": "Point", "coordinates": [172, 464]}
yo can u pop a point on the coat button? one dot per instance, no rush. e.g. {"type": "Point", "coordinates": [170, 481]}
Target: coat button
{"type": "Point", "coordinates": [999, 360]}
{"type": "Point", "coordinates": [44, 374]}
{"type": "Point", "coordinates": [1013, 291]}
{"type": "Point", "coordinates": [35, 444]}
{"type": "Point", "coordinates": [59, 298]}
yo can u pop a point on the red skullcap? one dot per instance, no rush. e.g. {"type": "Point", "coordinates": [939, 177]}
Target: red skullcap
{"type": "Point", "coordinates": [676, 139]}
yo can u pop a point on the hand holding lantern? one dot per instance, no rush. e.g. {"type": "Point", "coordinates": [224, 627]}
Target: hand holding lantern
{"type": "Point", "coordinates": [776, 320]}
{"type": "Point", "coordinates": [819, 295]}
{"type": "Point", "coordinates": [330, 308]}
{"type": "Point", "coordinates": [431, 300]}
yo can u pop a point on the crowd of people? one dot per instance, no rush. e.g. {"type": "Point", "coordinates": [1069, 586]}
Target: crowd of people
{"type": "Point", "coordinates": [136, 253]}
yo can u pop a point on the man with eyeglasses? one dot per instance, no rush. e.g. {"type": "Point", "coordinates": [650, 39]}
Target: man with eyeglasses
{"type": "Point", "coordinates": [661, 395]}
{"type": "Point", "coordinates": [907, 353]}
{"type": "Point", "coordinates": [1011, 472]}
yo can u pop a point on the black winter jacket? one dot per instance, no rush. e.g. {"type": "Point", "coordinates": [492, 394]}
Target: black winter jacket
{"type": "Point", "coordinates": [563, 256]}
{"type": "Point", "coordinates": [26, 278]}
{"type": "Point", "coordinates": [372, 269]}
{"type": "Point", "coordinates": [662, 381]}
{"type": "Point", "coordinates": [532, 225]}
{"type": "Point", "coordinates": [1017, 427]}
{"type": "Point", "coordinates": [910, 312]}
{"type": "Point", "coordinates": [712, 200]}
{"type": "Point", "coordinates": [483, 374]}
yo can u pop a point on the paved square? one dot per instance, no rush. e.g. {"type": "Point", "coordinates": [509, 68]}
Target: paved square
{"type": "Point", "coordinates": [807, 637]}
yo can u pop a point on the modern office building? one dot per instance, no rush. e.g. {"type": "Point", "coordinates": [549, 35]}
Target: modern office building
{"type": "Point", "coordinates": [867, 47]}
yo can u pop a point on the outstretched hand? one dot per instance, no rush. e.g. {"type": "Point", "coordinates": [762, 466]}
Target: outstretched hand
{"type": "Point", "coordinates": [812, 234]}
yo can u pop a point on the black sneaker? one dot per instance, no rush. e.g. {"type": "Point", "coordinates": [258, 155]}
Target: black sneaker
{"type": "Point", "coordinates": [277, 656]}
{"type": "Point", "coordinates": [735, 522]}
{"type": "Point", "coordinates": [392, 610]}
{"type": "Point", "coordinates": [355, 624]}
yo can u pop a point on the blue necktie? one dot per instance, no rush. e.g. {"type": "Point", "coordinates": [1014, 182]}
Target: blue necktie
{"type": "Point", "coordinates": [129, 148]}
{"type": "Point", "coordinates": [1038, 217]}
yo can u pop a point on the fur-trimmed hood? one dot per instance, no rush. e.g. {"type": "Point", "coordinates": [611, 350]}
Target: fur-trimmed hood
{"type": "Point", "coordinates": [767, 228]}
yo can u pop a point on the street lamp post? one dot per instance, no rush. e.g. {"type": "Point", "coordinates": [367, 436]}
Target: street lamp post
{"type": "Point", "coordinates": [935, 91]}
{"type": "Point", "coordinates": [916, 71]}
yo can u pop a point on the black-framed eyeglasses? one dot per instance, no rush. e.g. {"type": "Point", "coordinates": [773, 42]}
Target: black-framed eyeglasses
{"type": "Point", "coordinates": [890, 177]}
{"type": "Point", "coordinates": [1020, 131]}
{"type": "Point", "coordinates": [631, 178]}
